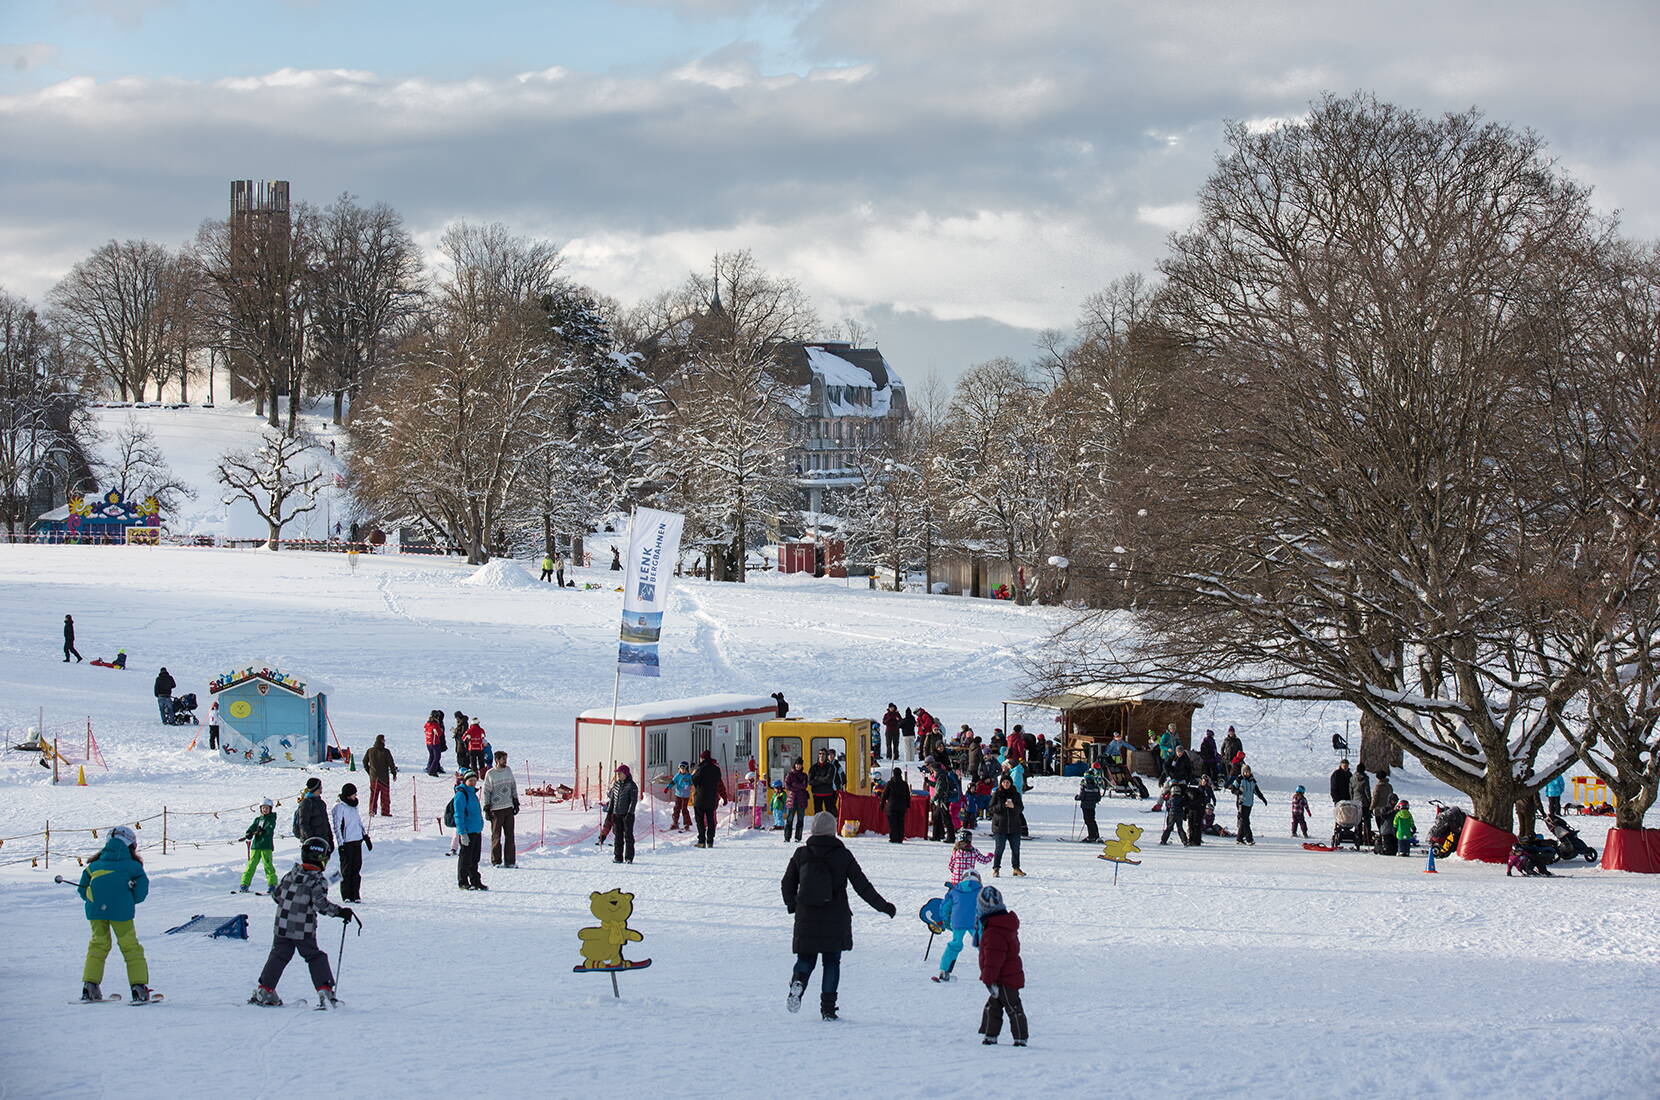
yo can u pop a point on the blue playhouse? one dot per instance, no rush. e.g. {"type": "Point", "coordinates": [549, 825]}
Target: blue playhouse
{"type": "Point", "coordinates": [267, 717]}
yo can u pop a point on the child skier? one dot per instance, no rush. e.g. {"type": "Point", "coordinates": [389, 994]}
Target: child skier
{"type": "Point", "coordinates": [964, 856]}
{"type": "Point", "coordinates": [262, 835]}
{"type": "Point", "coordinates": [776, 802]}
{"type": "Point", "coordinates": [113, 885]}
{"type": "Point", "coordinates": [1000, 968]}
{"type": "Point", "coordinates": [1299, 813]}
{"type": "Point", "coordinates": [961, 916]}
{"type": "Point", "coordinates": [680, 787]}
{"type": "Point", "coordinates": [302, 895]}
{"type": "Point", "coordinates": [1405, 829]}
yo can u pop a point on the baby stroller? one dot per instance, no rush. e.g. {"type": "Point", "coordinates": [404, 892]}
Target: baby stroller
{"type": "Point", "coordinates": [1348, 828]}
{"type": "Point", "coordinates": [180, 711]}
{"type": "Point", "coordinates": [1532, 855]}
{"type": "Point", "coordinates": [1121, 784]}
{"type": "Point", "coordinates": [1568, 844]}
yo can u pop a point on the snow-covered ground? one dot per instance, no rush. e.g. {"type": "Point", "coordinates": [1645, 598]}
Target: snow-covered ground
{"type": "Point", "coordinates": [1216, 970]}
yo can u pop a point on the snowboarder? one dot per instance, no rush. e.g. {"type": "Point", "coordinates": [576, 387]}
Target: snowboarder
{"type": "Point", "coordinates": [1341, 782]}
{"type": "Point", "coordinates": [1007, 817]}
{"type": "Point", "coordinates": [1299, 812]}
{"type": "Point", "coordinates": [353, 838]}
{"type": "Point", "coordinates": [961, 917]}
{"type": "Point", "coordinates": [1091, 789]}
{"type": "Point", "coordinates": [1000, 968]}
{"type": "Point", "coordinates": [311, 815]}
{"type": "Point", "coordinates": [795, 797]}
{"type": "Point", "coordinates": [434, 730]}
{"type": "Point", "coordinates": [113, 885]}
{"type": "Point", "coordinates": [624, 796]}
{"type": "Point", "coordinates": [680, 789]}
{"type": "Point", "coordinates": [69, 640]}
{"type": "Point", "coordinates": [708, 790]}
{"type": "Point", "coordinates": [1247, 793]}
{"type": "Point", "coordinates": [301, 897]}
{"type": "Point", "coordinates": [500, 799]}
{"type": "Point", "coordinates": [381, 769]}
{"type": "Point", "coordinates": [896, 800]}
{"type": "Point", "coordinates": [261, 837]}
{"type": "Point", "coordinates": [815, 893]}
{"type": "Point", "coordinates": [469, 831]}
{"type": "Point", "coordinates": [164, 695]}
{"type": "Point", "coordinates": [783, 704]}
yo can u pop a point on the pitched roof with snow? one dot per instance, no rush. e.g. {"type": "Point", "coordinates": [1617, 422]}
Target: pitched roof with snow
{"type": "Point", "coordinates": [669, 710]}
{"type": "Point", "coordinates": [839, 379]}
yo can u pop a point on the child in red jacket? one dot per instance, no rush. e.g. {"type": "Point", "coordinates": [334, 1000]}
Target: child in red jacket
{"type": "Point", "coordinates": [1000, 968]}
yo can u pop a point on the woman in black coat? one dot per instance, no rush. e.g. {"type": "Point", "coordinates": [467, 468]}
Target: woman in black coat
{"type": "Point", "coordinates": [1007, 817]}
{"type": "Point", "coordinates": [815, 891]}
{"type": "Point", "coordinates": [896, 800]}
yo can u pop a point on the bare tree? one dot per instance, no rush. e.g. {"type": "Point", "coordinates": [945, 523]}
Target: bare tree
{"type": "Point", "coordinates": [272, 479]}
{"type": "Point", "coordinates": [1338, 506]}
{"type": "Point", "coordinates": [43, 422]}
{"type": "Point", "coordinates": [112, 309]}
{"type": "Point", "coordinates": [139, 469]}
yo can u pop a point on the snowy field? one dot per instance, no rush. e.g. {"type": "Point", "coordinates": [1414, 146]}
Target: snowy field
{"type": "Point", "coordinates": [1214, 971]}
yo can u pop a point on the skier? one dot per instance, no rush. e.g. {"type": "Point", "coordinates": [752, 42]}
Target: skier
{"type": "Point", "coordinates": [961, 917]}
{"type": "Point", "coordinates": [680, 789]}
{"type": "Point", "coordinates": [815, 893]}
{"type": "Point", "coordinates": [261, 835]}
{"type": "Point", "coordinates": [164, 695]}
{"type": "Point", "coordinates": [890, 730]}
{"type": "Point", "coordinates": [381, 769]}
{"type": "Point", "coordinates": [69, 640]}
{"type": "Point", "coordinates": [1405, 829]}
{"type": "Point", "coordinates": [1091, 789]}
{"type": "Point", "coordinates": [1175, 813]}
{"type": "Point", "coordinates": [1007, 817]}
{"type": "Point", "coordinates": [1340, 783]}
{"type": "Point", "coordinates": [624, 796]}
{"type": "Point", "coordinates": [353, 838]}
{"type": "Point", "coordinates": [500, 799]}
{"type": "Point", "coordinates": [1000, 968]}
{"type": "Point", "coordinates": [301, 897]}
{"type": "Point", "coordinates": [434, 730]}
{"type": "Point", "coordinates": [113, 885]}
{"type": "Point", "coordinates": [311, 815]}
{"type": "Point", "coordinates": [795, 788]}
{"type": "Point", "coordinates": [777, 802]}
{"type": "Point", "coordinates": [708, 789]}
{"type": "Point", "coordinates": [469, 831]}
{"type": "Point", "coordinates": [896, 800]}
{"type": "Point", "coordinates": [1247, 793]}
{"type": "Point", "coordinates": [547, 568]}
{"type": "Point", "coordinates": [1299, 812]}
{"type": "Point", "coordinates": [964, 857]}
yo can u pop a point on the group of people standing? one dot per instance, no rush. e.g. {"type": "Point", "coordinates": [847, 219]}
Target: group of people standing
{"type": "Point", "coordinates": [472, 744]}
{"type": "Point", "coordinates": [696, 793]}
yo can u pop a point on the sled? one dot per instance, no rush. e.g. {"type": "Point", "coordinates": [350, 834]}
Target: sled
{"type": "Point", "coordinates": [99, 662]}
{"type": "Point", "coordinates": [1318, 847]}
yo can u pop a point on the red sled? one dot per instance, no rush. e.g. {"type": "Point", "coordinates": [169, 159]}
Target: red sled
{"type": "Point", "coordinates": [99, 662]}
{"type": "Point", "coordinates": [1318, 847]}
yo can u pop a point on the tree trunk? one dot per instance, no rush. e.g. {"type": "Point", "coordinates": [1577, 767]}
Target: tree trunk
{"type": "Point", "coordinates": [547, 534]}
{"type": "Point", "coordinates": [274, 537]}
{"type": "Point", "coordinates": [339, 406]}
{"type": "Point", "coordinates": [184, 377]}
{"type": "Point", "coordinates": [1378, 754]}
{"type": "Point", "coordinates": [577, 552]}
{"type": "Point", "coordinates": [273, 408]}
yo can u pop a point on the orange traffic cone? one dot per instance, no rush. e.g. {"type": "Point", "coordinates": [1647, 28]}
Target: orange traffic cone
{"type": "Point", "coordinates": [80, 778]}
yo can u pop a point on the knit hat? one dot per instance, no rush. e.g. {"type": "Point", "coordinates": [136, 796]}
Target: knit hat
{"type": "Point", "coordinates": [348, 790]}
{"type": "Point", "coordinates": [705, 755]}
{"type": "Point", "coordinates": [990, 901]}
{"type": "Point", "coordinates": [823, 824]}
{"type": "Point", "coordinates": [622, 770]}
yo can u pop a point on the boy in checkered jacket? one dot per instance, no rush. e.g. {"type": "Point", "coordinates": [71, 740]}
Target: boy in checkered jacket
{"type": "Point", "coordinates": [302, 894]}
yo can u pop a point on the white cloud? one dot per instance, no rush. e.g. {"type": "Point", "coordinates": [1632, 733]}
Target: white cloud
{"type": "Point", "coordinates": [1169, 217]}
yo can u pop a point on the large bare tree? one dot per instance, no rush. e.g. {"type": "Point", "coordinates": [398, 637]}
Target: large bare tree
{"type": "Point", "coordinates": [275, 479]}
{"type": "Point", "coordinates": [43, 422]}
{"type": "Point", "coordinates": [113, 308]}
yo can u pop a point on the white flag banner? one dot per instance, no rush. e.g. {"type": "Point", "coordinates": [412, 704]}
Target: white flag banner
{"type": "Point", "coordinates": [653, 548]}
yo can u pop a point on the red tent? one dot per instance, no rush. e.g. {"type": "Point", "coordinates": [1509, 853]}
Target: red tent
{"type": "Point", "coordinates": [1480, 841]}
{"type": "Point", "coordinates": [1632, 850]}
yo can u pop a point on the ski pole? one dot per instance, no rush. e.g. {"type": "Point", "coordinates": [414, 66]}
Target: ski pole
{"type": "Point", "coordinates": [339, 956]}
{"type": "Point", "coordinates": [64, 881]}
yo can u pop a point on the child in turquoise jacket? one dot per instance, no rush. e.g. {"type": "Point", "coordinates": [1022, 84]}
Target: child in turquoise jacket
{"type": "Point", "coordinates": [113, 885]}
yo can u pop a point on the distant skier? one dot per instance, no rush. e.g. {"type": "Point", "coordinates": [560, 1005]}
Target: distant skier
{"type": "Point", "coordinates": [311, 814]}
{"type": "Point", "coordinates": [261, 838]}
{"type": "Point", "coordinates": [616, 560]}
{"type": "Point", "coordinates": [353, 838]}
{"type": "Point", "coordinates": [164, 695]}
{"type": "Point", "coordinates": [1000, 969]}
{"type": "Point", "coordinates": [69, 640]}
{"type": "Point", "coordinates": [680, 789]}
{"type": "Point", "coordinates": [113, 886]}
{"type": "Point", "coordinates": [815, 893]}
{"type": "Point", "coordinates": [1091, 789]}
{"type": "Point", "coordinates": [301, 897]}
{"type": "Point", "coordinates": [1299, 812]}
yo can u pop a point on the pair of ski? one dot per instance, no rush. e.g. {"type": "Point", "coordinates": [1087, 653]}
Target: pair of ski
{"type": "Point", "coordinates": [116, 998]}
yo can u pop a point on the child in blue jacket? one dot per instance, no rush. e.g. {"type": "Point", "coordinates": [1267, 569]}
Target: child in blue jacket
{"type": "Point", "coordinates": [961, 917]}
{"type": "Point", "coordinates": [113, 885]}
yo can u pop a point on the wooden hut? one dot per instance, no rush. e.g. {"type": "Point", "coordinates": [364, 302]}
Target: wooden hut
{"type": "Point", "coordinates": [1091, 715]}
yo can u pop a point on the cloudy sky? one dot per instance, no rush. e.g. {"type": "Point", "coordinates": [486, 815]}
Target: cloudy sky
{"type": "Point", "coordinates": [957, 173]}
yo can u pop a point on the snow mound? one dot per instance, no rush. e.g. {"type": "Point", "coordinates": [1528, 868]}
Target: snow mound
{"type": "Point", "coordinates": [501, 573]}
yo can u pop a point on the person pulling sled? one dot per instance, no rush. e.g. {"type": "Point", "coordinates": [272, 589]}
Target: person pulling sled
{"type": "Point", "coordinates": [301, 896]}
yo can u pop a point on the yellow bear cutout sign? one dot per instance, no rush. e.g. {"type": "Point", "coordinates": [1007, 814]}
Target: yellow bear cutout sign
{"type": "Point", "coordinates": [1118, 851]}
{"type": "Point", "coordinates": [602, 946]}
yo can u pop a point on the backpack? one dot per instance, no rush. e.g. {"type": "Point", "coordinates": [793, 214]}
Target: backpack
{"type": "Point", "coordinates": [449, 813]}
{"type": "Point", "coordinates": [297, 808]}
{"type": "Point", "coordinates": [818, 882]}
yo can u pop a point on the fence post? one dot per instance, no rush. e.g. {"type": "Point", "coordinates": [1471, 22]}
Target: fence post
{"type": "Point", "coordinates": [48, 844]}
{"type": "Point", "coordinates": [414, 805]}
{"type": "Point", "coordinates": [164, 830]}
{"type": "Point", "coordinates": [54, 761]}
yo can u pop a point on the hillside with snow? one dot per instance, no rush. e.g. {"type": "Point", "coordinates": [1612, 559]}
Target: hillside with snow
{"type": "Point", "coordinates": [1218, 969]}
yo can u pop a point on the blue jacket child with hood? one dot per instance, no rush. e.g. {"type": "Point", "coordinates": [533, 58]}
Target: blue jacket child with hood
{"type": "Point", "coordinates": [960, 916]}
{"type": "Point", "coordinates": [113, 885]}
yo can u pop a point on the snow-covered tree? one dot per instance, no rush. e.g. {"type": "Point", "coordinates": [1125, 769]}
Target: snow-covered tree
{"type": "Point", "coordinates": [139, 469]}
{"type": "Point", "coordinates": [275, 479]}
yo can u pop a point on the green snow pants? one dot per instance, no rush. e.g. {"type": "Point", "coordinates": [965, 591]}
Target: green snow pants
{"type": "Point", "coordinates": [98, 949]}
{"type": "Point", "coordinates": [255, 858]}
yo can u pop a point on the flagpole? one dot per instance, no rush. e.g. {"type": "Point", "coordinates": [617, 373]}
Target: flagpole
{"type": "Point", "coordinates": [616, 685]}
